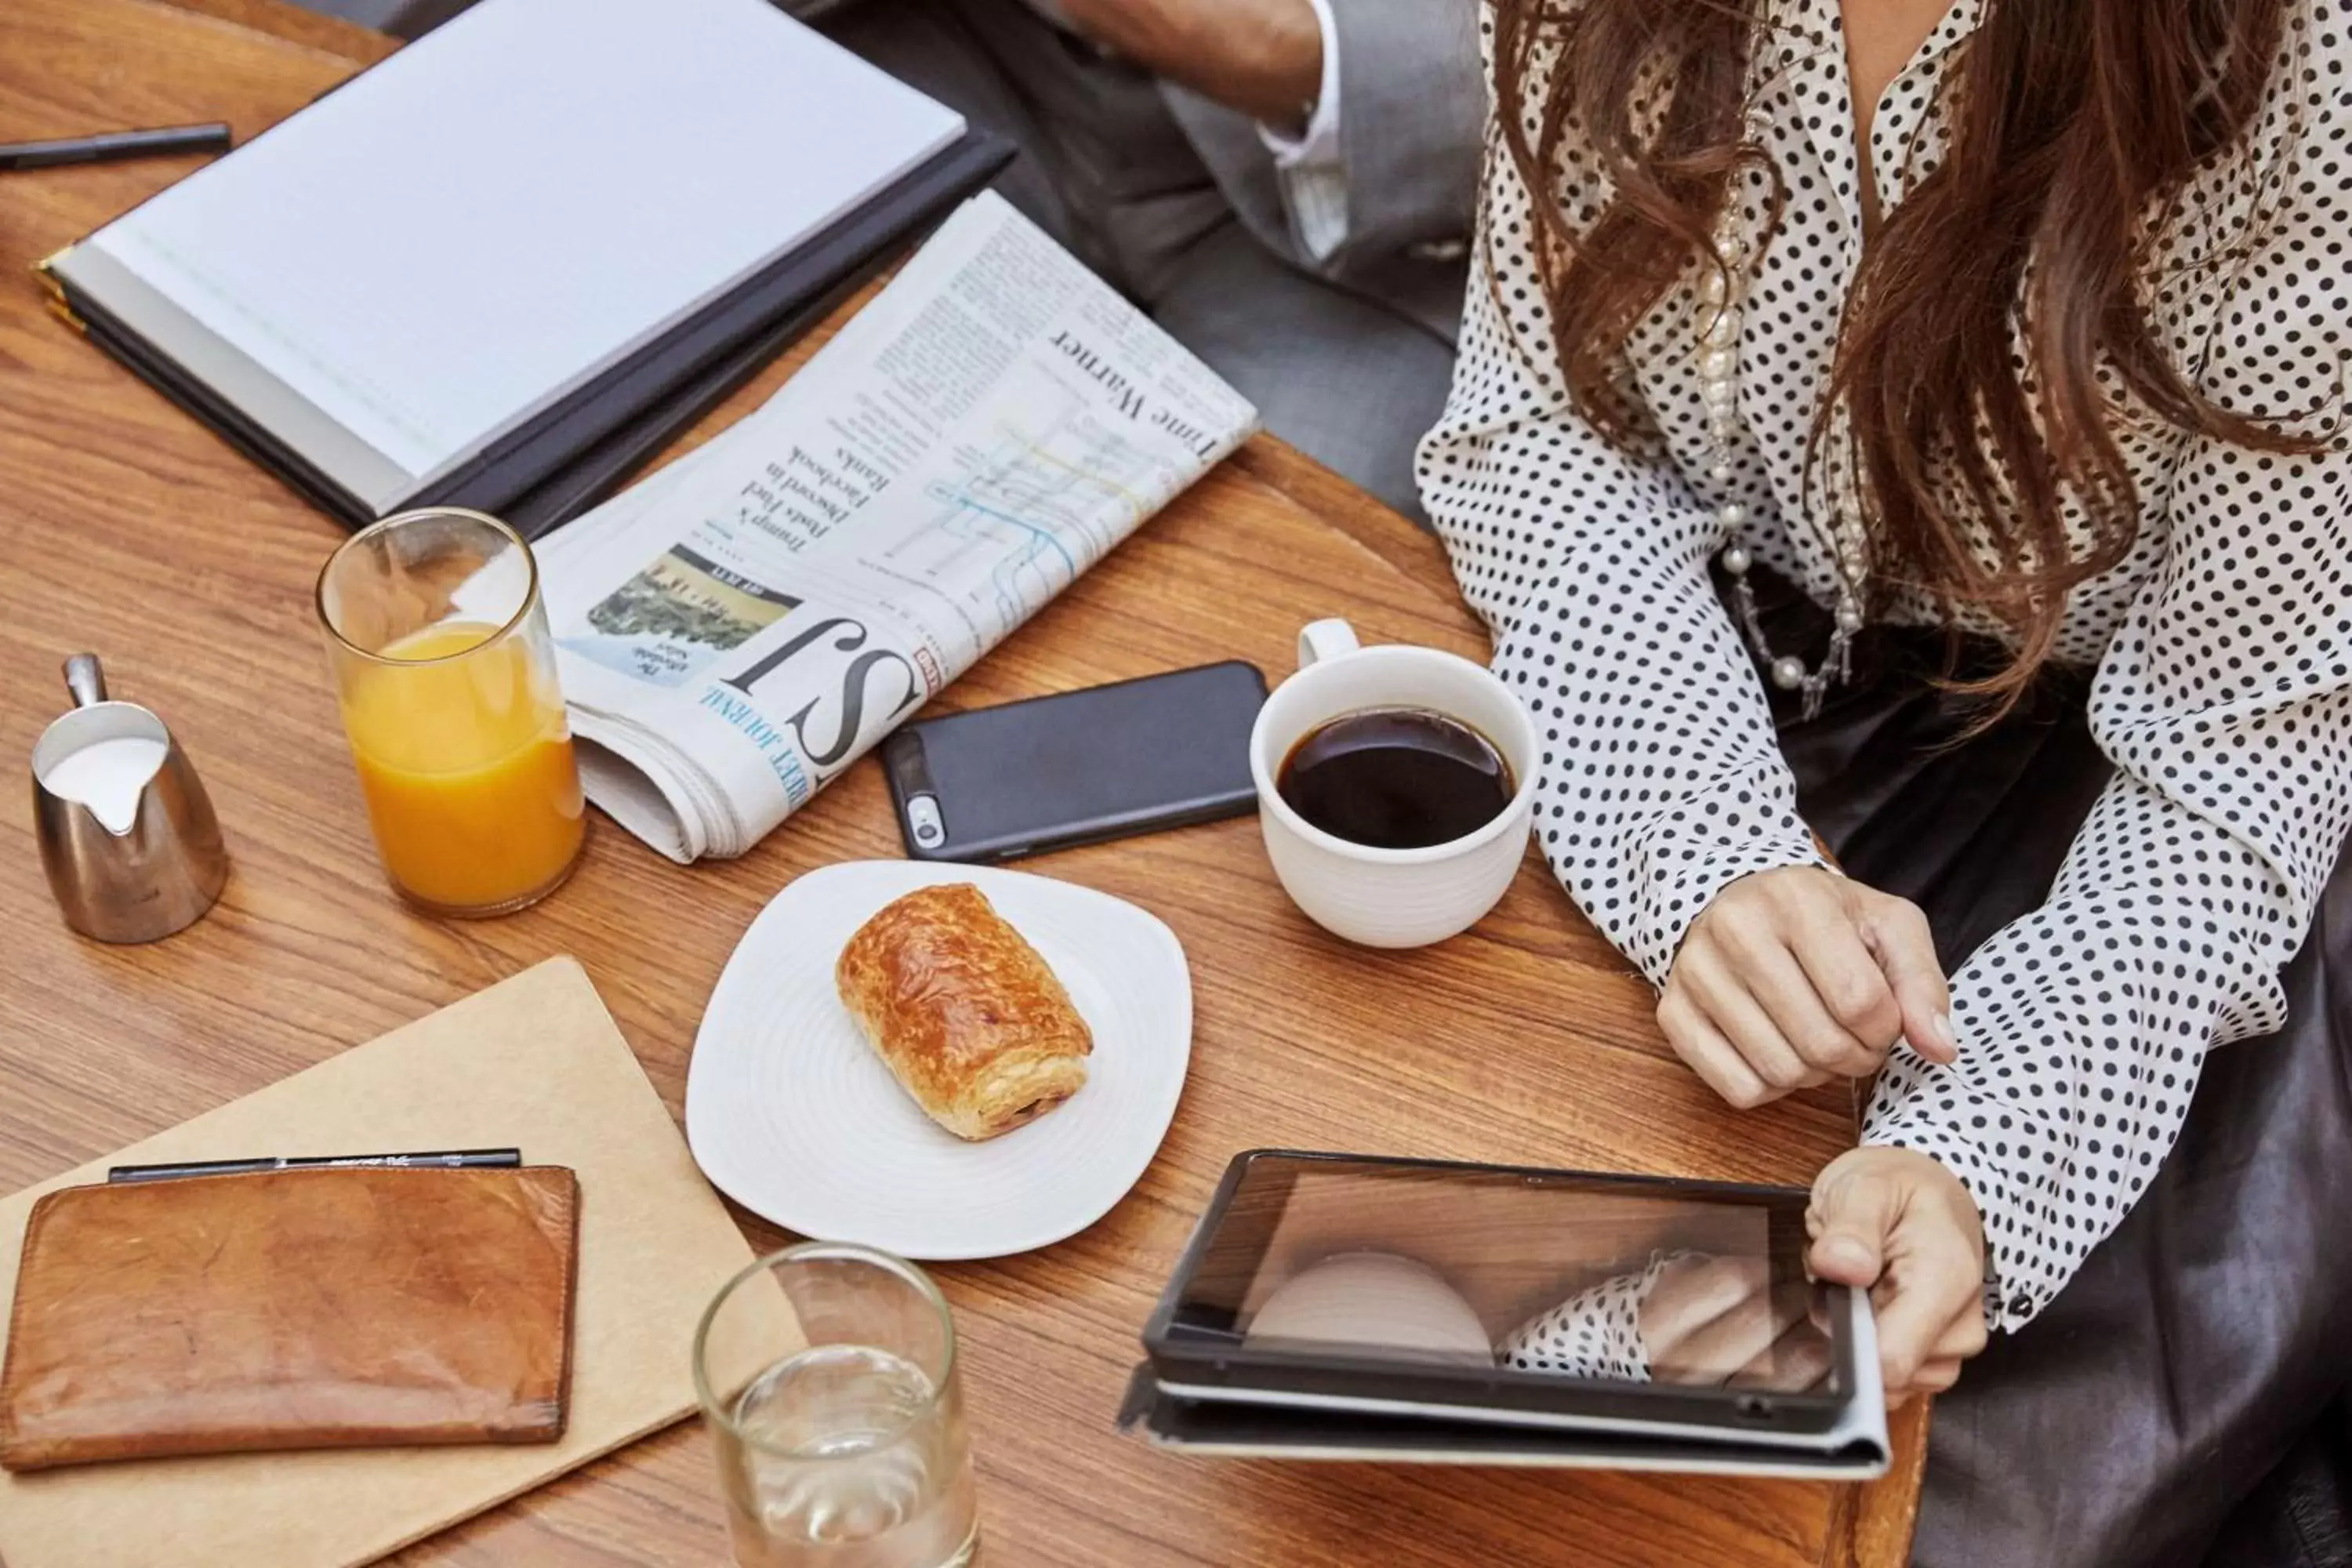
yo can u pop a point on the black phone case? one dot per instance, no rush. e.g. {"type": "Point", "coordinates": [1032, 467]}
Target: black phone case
{"type": "Point", "coordinates": [1079, 767]}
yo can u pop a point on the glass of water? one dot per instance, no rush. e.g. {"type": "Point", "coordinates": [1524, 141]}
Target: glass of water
{"type": "Point", "coordinates": [827, 1374]}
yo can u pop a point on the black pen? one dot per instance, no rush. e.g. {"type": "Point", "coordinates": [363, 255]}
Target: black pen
{"type": "Point", "coordinates": [450, 1160]}
{"type": "Point", "coordinates": [113, 145]}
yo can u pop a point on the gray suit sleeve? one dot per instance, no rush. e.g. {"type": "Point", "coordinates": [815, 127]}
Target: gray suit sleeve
{"type": "Point", "coordinates": [1412, 119]}
{"type": "Point", "coordinates": [1412, 116]}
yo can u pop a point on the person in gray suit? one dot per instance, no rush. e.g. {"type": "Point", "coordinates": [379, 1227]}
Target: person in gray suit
{"type": "Point", "coordinates": [1287, 186]}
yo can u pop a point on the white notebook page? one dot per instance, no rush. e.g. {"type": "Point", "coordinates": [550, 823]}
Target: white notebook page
{"type": "Point", "coordinates": [456, 238]}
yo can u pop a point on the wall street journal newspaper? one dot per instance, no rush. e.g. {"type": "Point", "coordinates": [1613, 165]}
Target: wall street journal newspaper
{"type": "Point", "coordinates": [739, 627]}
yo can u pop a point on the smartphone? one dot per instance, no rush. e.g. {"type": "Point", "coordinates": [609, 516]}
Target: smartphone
{"type": "Point", "coordinates": [1053, 772]}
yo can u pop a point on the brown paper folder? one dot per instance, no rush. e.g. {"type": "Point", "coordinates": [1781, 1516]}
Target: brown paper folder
{"type": "Point", "coordinates": [535, 1063]}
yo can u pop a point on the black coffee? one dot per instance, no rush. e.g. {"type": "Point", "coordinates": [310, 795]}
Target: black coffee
{"type": "Point", "coordinates": [1396, 778]}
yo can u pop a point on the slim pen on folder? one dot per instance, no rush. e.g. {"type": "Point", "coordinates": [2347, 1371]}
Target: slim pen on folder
{"type": "Point", "coordinates": [449, 1160]}
{"type": "Point", "coordinates": [113, 145]}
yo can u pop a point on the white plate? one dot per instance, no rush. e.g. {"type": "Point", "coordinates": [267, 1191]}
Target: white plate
{"type": "Point", "coordinates": [792, 1115]}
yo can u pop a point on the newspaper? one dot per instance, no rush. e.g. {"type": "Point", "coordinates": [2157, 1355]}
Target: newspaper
{"type": "Point", "coordinates": [738, 629]}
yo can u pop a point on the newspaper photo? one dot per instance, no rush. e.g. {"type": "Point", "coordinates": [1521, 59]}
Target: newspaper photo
{"type": "Point", "coordinates": [736, 630]}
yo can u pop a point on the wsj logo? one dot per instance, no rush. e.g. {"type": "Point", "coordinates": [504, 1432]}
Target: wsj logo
{"type": "Point", "coordinates": [875, 673]}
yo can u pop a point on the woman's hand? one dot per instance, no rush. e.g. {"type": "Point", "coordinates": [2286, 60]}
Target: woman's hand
{"type": "Point", "coordinates": [1719, 1320]}
{"type": "Point", "coordinates": [1795, 976]}
{"type": "Point", "coordinates": [1900, 1225]}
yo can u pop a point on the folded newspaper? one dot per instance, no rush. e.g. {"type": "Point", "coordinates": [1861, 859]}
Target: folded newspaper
{"type": "Point", "coordinates": [739, 627]}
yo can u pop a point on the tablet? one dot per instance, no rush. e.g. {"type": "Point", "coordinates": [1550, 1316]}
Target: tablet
{"type": "Point", "coordinates": [1387, 1290]}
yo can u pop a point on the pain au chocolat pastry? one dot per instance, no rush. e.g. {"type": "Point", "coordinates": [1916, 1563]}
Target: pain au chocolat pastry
{"type": "Point", "coordinates": [971, 1021]}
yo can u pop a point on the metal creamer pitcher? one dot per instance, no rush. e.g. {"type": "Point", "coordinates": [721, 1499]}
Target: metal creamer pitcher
{"type": "Point", "coordinates": [128, 836]}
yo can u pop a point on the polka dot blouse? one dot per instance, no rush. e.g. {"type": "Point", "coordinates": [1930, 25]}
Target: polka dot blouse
{"type": "Point", "coordinates": [1596, 1332]}
{"type": "Point", "coordinates": [2222, 645]}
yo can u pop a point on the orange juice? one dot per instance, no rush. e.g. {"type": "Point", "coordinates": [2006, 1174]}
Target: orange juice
{"type": "Point", "coordinates": [466, 766]}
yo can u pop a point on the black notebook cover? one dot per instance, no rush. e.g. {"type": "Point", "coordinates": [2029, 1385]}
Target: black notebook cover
{"type": "Point", "coordinates": [576, 452]}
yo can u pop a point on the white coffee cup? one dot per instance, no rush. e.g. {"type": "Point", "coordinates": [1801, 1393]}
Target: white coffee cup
{"type": "Point", "coordinates": [1391, 898]}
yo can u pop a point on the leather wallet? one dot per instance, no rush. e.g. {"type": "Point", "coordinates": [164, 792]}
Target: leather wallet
{"type": "Point", "coordinates": [329, 1307]}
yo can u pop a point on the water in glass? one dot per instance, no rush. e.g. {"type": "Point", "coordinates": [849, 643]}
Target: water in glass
{"type": "Point", "coordinates": [878, 1475]}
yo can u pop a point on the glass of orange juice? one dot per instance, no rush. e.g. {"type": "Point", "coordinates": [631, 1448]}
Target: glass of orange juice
{"type": "Point", "coordinates": [447, 674]}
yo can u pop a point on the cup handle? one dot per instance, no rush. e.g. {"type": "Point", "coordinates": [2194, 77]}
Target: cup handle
{"type": "Point", "coordinates": [1326, 640]}
{"type": "Point", "coordinates": [85, 679]}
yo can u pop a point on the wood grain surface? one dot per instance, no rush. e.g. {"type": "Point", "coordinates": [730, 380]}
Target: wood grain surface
{"type": "Point", "coordinates": [127, 529]}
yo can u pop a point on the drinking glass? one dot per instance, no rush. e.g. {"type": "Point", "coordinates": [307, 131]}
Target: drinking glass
{"type": "Point", "coordinates": [827, 1375]}
{"type": "Point", "coordinates": [447, 674]}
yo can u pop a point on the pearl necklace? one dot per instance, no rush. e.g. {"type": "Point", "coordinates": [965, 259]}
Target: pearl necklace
{"type": "Point", "coordinates": [1723, 297]}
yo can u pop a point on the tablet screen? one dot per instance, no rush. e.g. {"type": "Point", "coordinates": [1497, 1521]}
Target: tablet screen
{"type": "Point", "coordinates": [1493, 1270]}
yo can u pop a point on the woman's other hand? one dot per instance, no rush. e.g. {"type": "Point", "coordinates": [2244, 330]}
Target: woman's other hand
{"type": "Point", "coordinates": [1900, 1225]}
{"type": "Point", "coordinates": [1795, 976]}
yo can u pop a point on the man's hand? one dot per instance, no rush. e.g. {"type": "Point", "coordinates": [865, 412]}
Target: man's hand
{"type": "Point", "coordinates": [1264, 57]}
{"type": "Point", "coordinates": [1795, 976]}
{"type": "Point", "coordinates": [1900, 1225]}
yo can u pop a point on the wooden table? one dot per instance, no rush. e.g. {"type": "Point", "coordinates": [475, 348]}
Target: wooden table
{"type": "Point", "coordinates": [126, 527]}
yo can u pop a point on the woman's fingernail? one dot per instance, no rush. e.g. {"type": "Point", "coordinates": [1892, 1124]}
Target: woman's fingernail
{"type": "Point", "coordinates": [1850, 1252]}
{"type": "Point", "coordinates": [1944, 1030]}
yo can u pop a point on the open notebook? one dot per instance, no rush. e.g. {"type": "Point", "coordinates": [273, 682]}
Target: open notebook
{"type": "Point", "coordinates": [459, 274]}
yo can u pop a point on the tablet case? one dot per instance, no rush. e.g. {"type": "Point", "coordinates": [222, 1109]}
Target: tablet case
{"type": "Point", "coordinates": [1321, 1402]}
{"type": "Point", "coordinates": [1218, 1430]}
{"type": "Point", "coordinates": [576, 452]}
{"type": "Point", "coordinates": [305, 1309]}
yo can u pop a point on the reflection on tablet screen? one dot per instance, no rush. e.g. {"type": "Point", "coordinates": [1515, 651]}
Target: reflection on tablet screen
{"type": "Point", "coordinates": [1549, 1276]}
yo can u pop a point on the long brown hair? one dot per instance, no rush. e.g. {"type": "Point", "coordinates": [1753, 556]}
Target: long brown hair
{"type": "Point", "coordinates": [2072, 121]}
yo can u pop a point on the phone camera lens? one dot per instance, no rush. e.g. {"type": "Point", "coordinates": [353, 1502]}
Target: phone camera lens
{"type": "Point", "coordinates": [931, 829]}
{"type": "Point", "coordinates": [1754, 1407]}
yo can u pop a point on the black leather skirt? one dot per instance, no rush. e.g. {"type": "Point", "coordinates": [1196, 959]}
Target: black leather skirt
{"type": "Point", "coordinates": [2176, 1375]}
